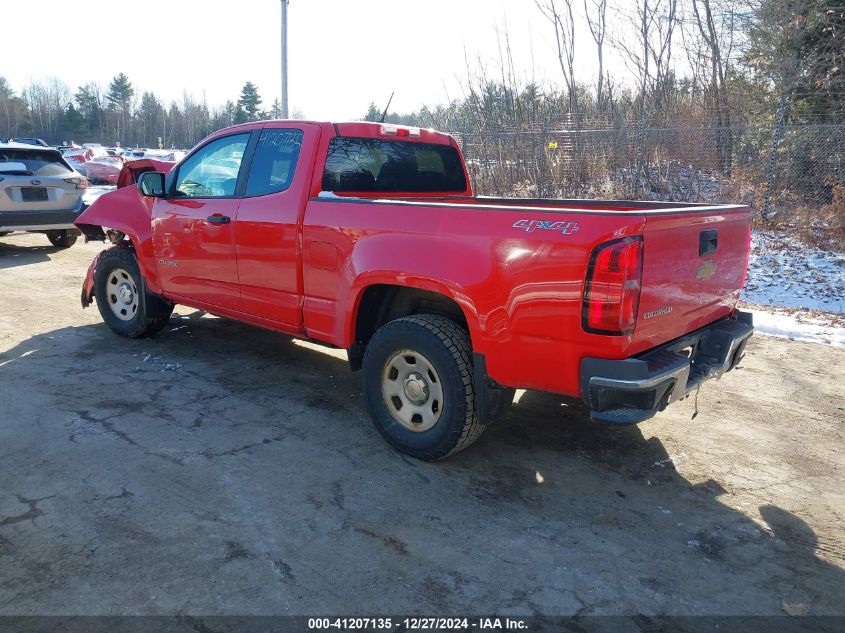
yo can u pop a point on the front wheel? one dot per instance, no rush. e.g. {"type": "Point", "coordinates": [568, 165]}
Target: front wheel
{"type": "Point", "coordinates": [122, 299]}
{"type": "Point", "coordinates": [417, 374]}
{"type": "Point", "coordinates": [62, 239]}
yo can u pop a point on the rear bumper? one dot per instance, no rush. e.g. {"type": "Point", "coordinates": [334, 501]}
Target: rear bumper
{"type": "Point", "coordinates": [40, 220]}
{"type": "Point", "coordinates": [632, 390]}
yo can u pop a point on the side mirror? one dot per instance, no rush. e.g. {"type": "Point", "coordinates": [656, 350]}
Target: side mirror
{"type": "Point", "coordinates": [151, 183]}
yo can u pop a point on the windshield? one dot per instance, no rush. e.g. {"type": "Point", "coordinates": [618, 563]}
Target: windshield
{"type": "Point", "coordinates": [36, 163]}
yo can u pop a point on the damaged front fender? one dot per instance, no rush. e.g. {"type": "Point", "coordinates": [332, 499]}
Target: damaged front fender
{"type": "Point", "coordinates": [126, 212]}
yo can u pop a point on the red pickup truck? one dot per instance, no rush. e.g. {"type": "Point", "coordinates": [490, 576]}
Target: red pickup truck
{"type": "Point", "coordinates": [367, 237]}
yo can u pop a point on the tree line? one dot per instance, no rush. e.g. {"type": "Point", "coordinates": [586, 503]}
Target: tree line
{"type": "Point", "coordinates": [742, 61]}
{"type": "Point", "coordinates": [118, 114]}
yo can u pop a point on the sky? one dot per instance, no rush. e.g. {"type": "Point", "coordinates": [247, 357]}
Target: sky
{"type": "Point", "coordinates": [343, 54]}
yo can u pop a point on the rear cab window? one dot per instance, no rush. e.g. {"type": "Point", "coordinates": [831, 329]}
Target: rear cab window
{"type": "Point", "coordinates": [23, 162]}
{"type": "Point", "coordinates": [363, 165]}
{"type": "Point", "coordinates": [274, 162]}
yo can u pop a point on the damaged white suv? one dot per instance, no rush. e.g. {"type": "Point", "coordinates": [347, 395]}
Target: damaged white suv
{"type": "Point", "coordinates": [39, 192]}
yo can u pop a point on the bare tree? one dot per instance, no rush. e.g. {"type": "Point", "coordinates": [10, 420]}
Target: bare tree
{"type": "Point", "coordinates": [649, 57]}
{"type": "Point", "coordinates": [564, 24]}
{"type": "Point", "coordinates": [718, 40]}
{"type": "Point", "coordinates": [47, 102]}
{"type": "Point", "coordinates": [598, 29]}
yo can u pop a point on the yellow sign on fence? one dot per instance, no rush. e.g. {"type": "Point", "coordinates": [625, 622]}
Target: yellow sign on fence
{"type": "Point", "coordinates": [552, 144]}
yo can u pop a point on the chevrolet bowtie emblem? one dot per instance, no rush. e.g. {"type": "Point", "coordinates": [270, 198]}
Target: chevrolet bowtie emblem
{"type": "Point", "coordinates": [706, 270]}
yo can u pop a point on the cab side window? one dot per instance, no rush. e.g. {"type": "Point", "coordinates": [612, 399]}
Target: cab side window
{"type": "Point", "coordinates": [212, 172]}
{"type": "Point", "coordinates": [274, 162]}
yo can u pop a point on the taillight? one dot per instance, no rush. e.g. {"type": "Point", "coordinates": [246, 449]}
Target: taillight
{"type": "Point", "coordinates": [81, 183]}
{"type": "Point", "coordinates": [612, 289]}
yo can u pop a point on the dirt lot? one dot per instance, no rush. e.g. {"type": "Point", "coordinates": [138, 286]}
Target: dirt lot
{"type": "Point", "coordinates": [220, 469]}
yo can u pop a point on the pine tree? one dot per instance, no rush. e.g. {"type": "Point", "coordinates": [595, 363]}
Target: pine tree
{"type": "Point", "coordinates": [119, 98]}
{"type": "Point", "coordinates": [798, 46]}
{"type": "Point", "coordinates": [150, 118]}
{"type": "Point", "coordinates": [275, 110]}
{"type": "Point", "coordinates": [373, 113]}
{"type": "Point", "coordinates": [120, 92]}
{"type": "Point", "coordinates": [90, 107]}
{"type": "Point", "coordinates": [240, 115]}
{"type": "Point", "coordinates": [74, 121]}
{"type": "Point", "coordinates": [249, 102]}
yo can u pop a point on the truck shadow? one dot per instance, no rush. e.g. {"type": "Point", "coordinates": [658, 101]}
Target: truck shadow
{"type": "Point", "coordinates": [548, 513]}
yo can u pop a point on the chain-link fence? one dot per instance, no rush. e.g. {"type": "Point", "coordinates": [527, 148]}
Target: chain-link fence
{"type": "Point", "coordinates": [791, 172]}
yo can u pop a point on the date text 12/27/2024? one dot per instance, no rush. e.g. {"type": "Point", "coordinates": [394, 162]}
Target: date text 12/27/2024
{"type": "Point", "coordinates": [417, 624]}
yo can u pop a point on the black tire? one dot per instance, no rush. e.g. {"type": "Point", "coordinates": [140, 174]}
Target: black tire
{"type": "Point", "coordinates": [62, 239]}
{"type": "Point", "coordinates": [446, 345]}
{"type": "Point", "coordinates": [151, 312]}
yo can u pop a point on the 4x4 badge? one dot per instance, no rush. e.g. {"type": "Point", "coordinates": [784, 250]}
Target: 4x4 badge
{"type": "Point", "coordinates": [529, 226]}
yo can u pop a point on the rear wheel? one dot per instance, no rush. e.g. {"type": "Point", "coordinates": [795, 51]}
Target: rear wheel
{"type": "Point", "coordinates": [122, 300]}
{"type": "Point", "coordinates": [418, 383]}
{"type": "Point", "coordinates": [64, 238]}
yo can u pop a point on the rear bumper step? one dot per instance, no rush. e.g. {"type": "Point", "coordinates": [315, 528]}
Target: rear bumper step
{"type": "Point", "coordinates": [632, 390]}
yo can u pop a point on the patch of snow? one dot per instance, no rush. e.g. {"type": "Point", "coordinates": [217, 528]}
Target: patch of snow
{"type": "Point", "coordinates": [785, 273]}
{"type": "Point", "coordinates": [799, 327]}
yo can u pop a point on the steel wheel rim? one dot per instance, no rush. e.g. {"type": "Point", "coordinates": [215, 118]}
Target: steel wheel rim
{"type": "Point", "coordinates": [412, 390]}
{"type": "Point", "coordinates": [122, 294]}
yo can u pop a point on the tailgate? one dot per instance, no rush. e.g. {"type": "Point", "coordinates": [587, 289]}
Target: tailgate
{"type": "Point", "coordinates": [694, 266]}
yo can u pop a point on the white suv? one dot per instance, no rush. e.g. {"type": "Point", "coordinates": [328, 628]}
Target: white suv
{"type": "Point", "coordinates": [39, 192]}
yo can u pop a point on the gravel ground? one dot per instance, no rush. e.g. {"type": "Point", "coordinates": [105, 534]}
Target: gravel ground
{"type": "Point", "coordinates": [221, 469]}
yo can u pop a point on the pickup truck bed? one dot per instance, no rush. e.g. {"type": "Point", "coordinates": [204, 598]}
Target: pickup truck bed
{"type": "Point", "coordinates": [525, 264]}
{"type": "Point", "coordinates": [367, 237]}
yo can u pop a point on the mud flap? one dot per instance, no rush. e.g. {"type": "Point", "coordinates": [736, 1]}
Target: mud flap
{"type": "Point", "coordinates": [491, 400]}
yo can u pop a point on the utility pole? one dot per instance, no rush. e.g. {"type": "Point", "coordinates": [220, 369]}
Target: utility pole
{"type": "Point", "coordinates": [284, 59]}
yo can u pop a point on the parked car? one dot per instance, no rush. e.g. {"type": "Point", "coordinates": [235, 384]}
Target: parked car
{"type": "Point", "coordinates": [30, 141]}
{"type": "Point", "coordinates": [173, 155]}
{"type": "Point", "coordinates": [80, 157]}
{"type": "Point", "coordinates": [104, 169]}
{"type": "Point", "coordinates": [367, 237]}
{"type": "Point", "coordinates": [39, 192]}
{"type": "Point", "coordinates": [134, 169]}
{"type": "Point", "coordinates": [135, 154]}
